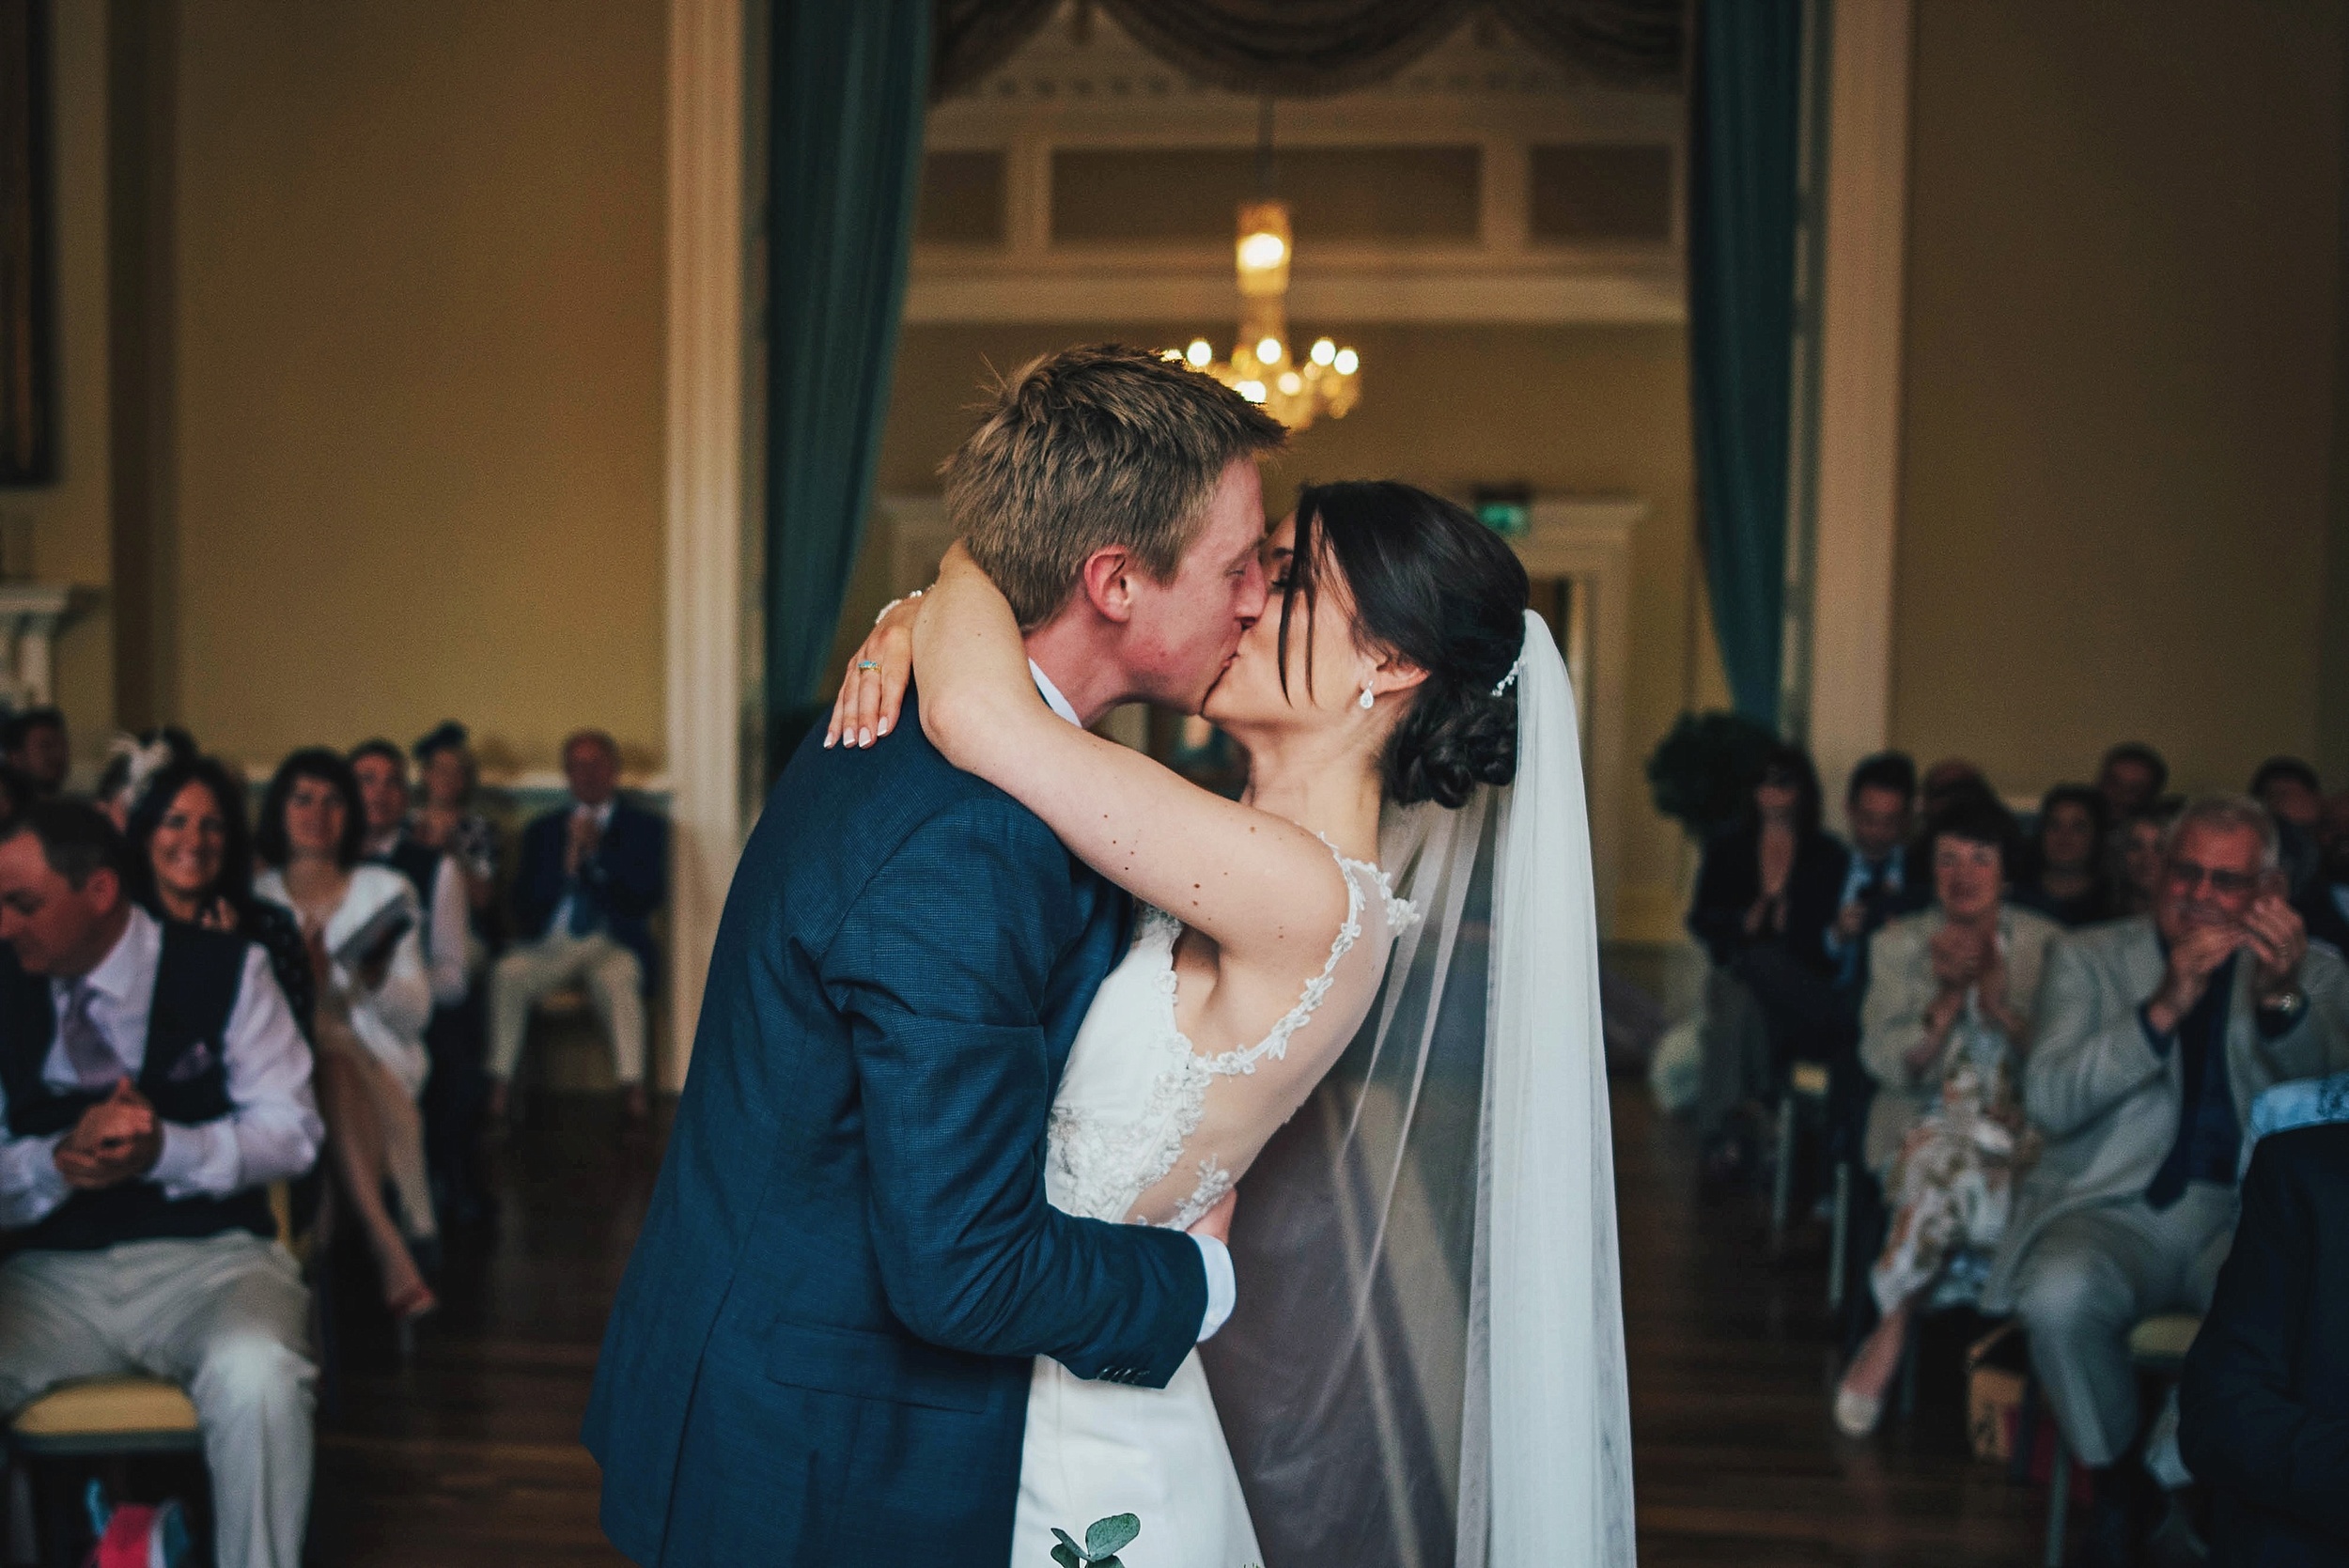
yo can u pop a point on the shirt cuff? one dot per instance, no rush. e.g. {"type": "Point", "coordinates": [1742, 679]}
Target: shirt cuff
{"type": "Point", "coordinates": [196, 1160]}
{"type": "Point", "coordinates": [38, 1187]}
{"type": "Point", "coordinates": [1223, 1287]}
{"type": "Point", "coordinates": [2160, 1043]}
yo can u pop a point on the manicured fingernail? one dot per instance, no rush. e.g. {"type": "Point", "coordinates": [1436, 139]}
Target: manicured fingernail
{"type": "Point", "coordinates": [882, 728]}
{"type": "Point", "coordinates": [829, 740]}
{"type": "Point", "coordinates": [865, 738]}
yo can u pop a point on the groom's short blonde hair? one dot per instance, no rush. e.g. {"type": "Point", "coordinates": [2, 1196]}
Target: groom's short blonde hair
{"type": "Point", "coordinates": [1094, 446]}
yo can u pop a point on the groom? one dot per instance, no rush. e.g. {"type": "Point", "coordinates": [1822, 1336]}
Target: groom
{"type": "Point", "coordinates": [821, 1351]}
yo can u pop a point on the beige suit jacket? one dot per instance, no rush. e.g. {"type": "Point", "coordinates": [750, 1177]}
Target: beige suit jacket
{"type": "Point", "coordinates": [1901, 988]}
{"type": "Point", "coordinates": [2107, 1105]}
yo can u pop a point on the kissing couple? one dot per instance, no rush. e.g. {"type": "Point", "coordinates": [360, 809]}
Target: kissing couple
{"type": "Point", "coordinates": [1002, 1016]}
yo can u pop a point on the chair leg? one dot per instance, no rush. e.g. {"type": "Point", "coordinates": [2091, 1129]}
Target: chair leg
{"type": "Point", "coordinates": [1783, 1178]}
{"type": "Point", "coordinates": [1839, 1240]}
{"type": "Point", "coordinates": [2059, 1503]}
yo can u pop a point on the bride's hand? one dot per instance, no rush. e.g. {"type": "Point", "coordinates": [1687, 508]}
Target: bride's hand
{"type": "Point", "coordinates": [1216, 1222]}
{"type": "Point", "coordinates": [873, 690]}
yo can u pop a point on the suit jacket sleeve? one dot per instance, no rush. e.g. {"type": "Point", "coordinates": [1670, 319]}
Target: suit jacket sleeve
{"type": "Point", "coordinates": [2243, 1427]}
{"type": "Point", "coordinates": [2091, 1049]}
{"type": "Point", "coordinates": [1892, 1011]}
{"type": "Point", "coordinates": [942, 969]}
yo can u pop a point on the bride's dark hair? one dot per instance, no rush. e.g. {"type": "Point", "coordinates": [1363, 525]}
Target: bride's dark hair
{"type": "Point", "coordinates": [1434, 585]}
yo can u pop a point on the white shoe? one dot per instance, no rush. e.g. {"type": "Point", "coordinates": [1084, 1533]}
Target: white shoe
{"type": "Point", "coordinates": [1856, 1414]}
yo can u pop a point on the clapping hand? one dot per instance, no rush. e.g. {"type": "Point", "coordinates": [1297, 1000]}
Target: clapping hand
{"type": "Point", "coordinates": [2278, 940]}
{"type": "Point", "coordinates": [2193, 959]}
{"type": "Point", "coordinates": [580, 847]}
{"type": "Point", "coordinates": [117, 1140]}
{"type": "Point", "coordinates": [1957, 958]}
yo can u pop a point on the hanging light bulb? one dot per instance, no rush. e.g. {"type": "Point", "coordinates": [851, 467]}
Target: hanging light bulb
{"type": "Point", "coordinates": [1262, 251]}
{"type": "Point", "coordinates": [1200, 353]}
{"type": "Point", "coordinates": [1324, 350]}
{"type": "Point", "coordinates": [1267, 350]}
{"type": "Point", "coordinates": [1346, 362]}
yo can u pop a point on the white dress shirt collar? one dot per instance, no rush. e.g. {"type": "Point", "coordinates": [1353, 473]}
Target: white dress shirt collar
{"type": "Point", "coordinates": [1053, 699]}
{"type": "Point", "coordinates": [602, 814]}
{"type": "Point", "coordinates": [129, 966]}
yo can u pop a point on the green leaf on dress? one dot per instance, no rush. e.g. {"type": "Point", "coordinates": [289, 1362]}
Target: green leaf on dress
{"type": "Point", "coordinates": [1109, 1536]}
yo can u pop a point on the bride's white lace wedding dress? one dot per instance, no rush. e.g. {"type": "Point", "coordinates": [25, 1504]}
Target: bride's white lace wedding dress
{"type": "Point", "coordinates": [1131, 1100]}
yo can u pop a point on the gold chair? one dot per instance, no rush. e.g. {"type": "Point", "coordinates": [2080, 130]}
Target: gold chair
{"type": "Point", "coordinates": [110, 1418]}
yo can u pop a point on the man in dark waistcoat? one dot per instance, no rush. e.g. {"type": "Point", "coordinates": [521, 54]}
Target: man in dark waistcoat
{"type": "Point", "coordinates": [152, 1084]}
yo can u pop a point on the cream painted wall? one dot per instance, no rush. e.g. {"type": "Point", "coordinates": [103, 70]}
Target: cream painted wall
{"type": "Point", "coordinates": [2124, 277]}
{"type": "Point", "coordinates": [419, 371]}
{"type": "Point", "coordinates": [1580, 410]}
{"type": "Point", "coordinates": [69, 518]}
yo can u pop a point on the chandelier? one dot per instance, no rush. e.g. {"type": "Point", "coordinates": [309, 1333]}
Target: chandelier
{"type": "Point", "coordinates": [1265, 366]}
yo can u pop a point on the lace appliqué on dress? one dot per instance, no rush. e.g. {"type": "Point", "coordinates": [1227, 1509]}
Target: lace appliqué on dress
{"type": "Point", "coordinates": [1108, 1164]}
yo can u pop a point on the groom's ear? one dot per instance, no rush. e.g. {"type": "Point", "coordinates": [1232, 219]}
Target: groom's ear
{"type": "Point", "coordinates": [1108, 584]}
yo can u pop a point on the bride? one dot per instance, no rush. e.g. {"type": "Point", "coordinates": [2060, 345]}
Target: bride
{"type": "Point", "coordinates": [1411, 1377]}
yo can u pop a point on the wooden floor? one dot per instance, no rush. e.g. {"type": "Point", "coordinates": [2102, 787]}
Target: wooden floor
{"type": "Point", "coordinates": [469, 1455]}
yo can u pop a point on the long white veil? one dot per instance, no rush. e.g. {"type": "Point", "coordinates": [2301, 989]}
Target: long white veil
{"type": "Point", "coordinates": [1426, 1366]}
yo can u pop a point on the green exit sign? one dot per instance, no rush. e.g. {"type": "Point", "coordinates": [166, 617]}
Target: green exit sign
{"type": "Point", "coordinates": [1508, 511]}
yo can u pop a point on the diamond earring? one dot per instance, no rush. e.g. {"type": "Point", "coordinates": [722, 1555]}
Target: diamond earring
{"type": "Point", "coordinates": [1367, 698]}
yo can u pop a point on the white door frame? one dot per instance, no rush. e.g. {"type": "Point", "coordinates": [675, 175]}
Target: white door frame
{"type": "Point", "coordinates": [705, 492]}
{"type": "Point", "coordinates": [1866, 241]}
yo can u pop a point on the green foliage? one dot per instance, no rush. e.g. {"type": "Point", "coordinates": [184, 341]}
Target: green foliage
{"type": "Point", "coordinates": [1700, 774]}
{"type": "Point", "coordinates": [1104, 1539]}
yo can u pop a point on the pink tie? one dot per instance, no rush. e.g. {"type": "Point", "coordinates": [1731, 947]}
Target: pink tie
{"type": "Point", "coordinates": [87, 1051]}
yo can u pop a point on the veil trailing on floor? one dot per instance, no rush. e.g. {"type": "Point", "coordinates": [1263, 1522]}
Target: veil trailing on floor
{"type": "Point", "coordinates": [1426, 1366]}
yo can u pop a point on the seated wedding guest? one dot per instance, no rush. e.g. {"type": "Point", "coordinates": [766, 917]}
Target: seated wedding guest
{"type": "Point", "coordinates": [2154, 1035]}
{"type": "Point", "coordinates": [382, 771]}
{"type": "Point", "coordinates": [447, 821]}
{"type": "Point", "coordinates": [2131, 779]}
{"type": "Point", "coordinates": [2263, 1403]}
{"type": "Point", "coordinates": [592, 872]}
{"type": "Point", "coordinates": [1765, 895]}
{"type": "Point", "coordinates": [35, 744]}
{"type": "Point", "coordinates": [1878, 805]}
{"type": "Point", "coordinates": [453, 1090]}
{"type": "Point", "coordinates": [2065, 874]}
{"type": "Point", "coordinates": [155, 1086]}
{"type": "Point", "coordinates": [359, 923]}
{"type": "Point", "coordinates": [1944, 1030]}
{"type": "Point", "coordinates": [2288, 787]}
{"type": "Point", "coordinates": [2325, 907]}
{"type": "Point", "coordinates": [191, 861]}
{"type": "Point", "coordinates": [2139, 850]}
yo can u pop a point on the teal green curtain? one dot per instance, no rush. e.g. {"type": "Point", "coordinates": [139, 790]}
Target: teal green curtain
{"type": "Point", "coordinates": [843, 168]}
{"type": "Point", "coordinates": [1746, 106]}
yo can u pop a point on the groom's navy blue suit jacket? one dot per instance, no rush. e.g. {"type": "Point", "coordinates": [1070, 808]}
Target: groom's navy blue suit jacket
{"type": "Point", "coordinates": [820, 1353]}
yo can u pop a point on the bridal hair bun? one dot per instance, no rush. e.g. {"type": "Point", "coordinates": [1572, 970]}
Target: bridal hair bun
{"type": "Point", "coordinates": [1434, 585]}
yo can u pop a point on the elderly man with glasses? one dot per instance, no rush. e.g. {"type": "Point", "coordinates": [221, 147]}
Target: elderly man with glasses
{"type": "Point", "coordinates": [2154, 1036]}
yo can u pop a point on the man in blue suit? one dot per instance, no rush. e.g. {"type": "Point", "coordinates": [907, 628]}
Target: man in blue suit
{"type": "Point", "coordinates": [593, 870]}
{"type": "Point", "coordinates": [821, 1351]}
